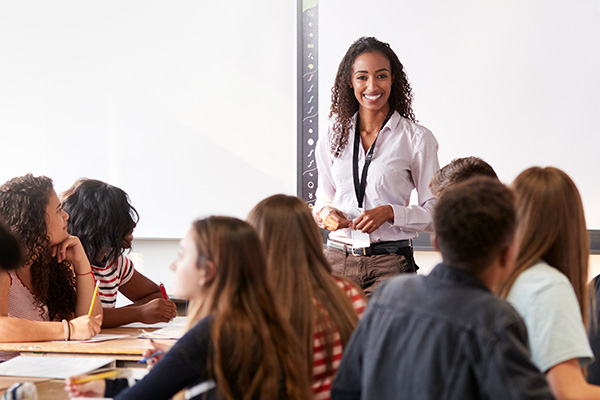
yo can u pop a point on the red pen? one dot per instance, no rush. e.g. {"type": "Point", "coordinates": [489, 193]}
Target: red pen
{"type": "Point", "coordinates": [163, 291]}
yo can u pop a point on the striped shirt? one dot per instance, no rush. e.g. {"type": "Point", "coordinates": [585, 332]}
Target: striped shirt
{"type": "Point", "coordinates": [111, 277]}
{"type": "Point", "coordinates": [322, 379]}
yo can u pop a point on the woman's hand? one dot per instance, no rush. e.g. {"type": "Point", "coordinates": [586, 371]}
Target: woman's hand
{"type": "Point", "coordinates": [88, 389]}
{"type": "Point", "coordinates": [156, 347]}
{"type": "Point", "coordinates": [157, 310]}
{"type": "Point", "coordinates": [333, 219]}
{"type": "Point", "coordinates": [85, 327]}
{"type": "Point", "coordinates": [370, 220]}
{"type": "Point", "coordinates": [71, 250]}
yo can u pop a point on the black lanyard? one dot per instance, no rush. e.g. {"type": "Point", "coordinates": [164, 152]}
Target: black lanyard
{"type": "Point", "coordinates": [360, 186]}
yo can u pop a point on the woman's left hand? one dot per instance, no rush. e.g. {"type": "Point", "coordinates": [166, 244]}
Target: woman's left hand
{"type": "Point", "coordinates": [370, 220]}
{"type": "Point", "coordinates": [70, 249]}
{"type": "Point", "coordinates": [88, 389]}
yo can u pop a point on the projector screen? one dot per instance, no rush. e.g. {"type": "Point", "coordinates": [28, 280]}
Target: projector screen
{"type": "Point", "coordinates": [514, 82]}
{"type": "Point", "coordinates": [188, 106]}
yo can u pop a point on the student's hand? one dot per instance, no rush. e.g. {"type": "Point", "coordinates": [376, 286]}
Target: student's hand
{"type": "Point", "coordinates": [87, 389]}
{"type": "Point", "coordinates": [70, 249]}
{"type": "Point", "coordinates": [164, 347]}
{"type": "Point", "coordinates": [158, 310]}
{"type": "Point", "coordinates": [85, 327]}
{"type": "Point", "coordinates": [333, 219]}
{"type": "Point", "coordinates": [370, 220]}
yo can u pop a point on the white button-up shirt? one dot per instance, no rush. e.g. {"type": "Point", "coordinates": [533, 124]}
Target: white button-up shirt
{"type": "Point", "coordinates": [405, 158]}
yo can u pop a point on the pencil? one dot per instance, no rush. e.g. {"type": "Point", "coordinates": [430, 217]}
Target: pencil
{"type": "Point", "coordinates": [156, 354]}
{"type": "Point", "coordinates": [102, 375]}
{"type": "Point", "coordinates": [94, 298]}
{"type": "Point", "coordinates": [163, 291]}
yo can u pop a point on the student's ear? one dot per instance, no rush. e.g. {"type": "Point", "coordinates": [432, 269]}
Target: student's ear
{"type": "Point", "coordinates": [508, 256]}
{"type": "Point", "coordinates": [434, 243]}
{"type": "Point", "coordinates": [207, 274]}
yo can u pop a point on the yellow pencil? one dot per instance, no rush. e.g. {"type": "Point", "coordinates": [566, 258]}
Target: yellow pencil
{"type": "Point", "coordinates": [89, 378]}
{"type": "Point", "coordinates": [94, 298]}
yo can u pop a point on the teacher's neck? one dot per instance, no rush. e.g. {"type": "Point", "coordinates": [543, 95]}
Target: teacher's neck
{"type": "Point", "coordinates": [370, 122]}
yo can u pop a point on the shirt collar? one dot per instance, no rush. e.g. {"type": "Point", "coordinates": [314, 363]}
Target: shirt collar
{"type": "Point", "coordinates": [447, 273]}
{"type": "Point", "coordinates": [391, 124]}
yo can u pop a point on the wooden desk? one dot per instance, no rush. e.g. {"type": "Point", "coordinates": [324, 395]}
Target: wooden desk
{"type": "Point", "coordinates": [126, 351]}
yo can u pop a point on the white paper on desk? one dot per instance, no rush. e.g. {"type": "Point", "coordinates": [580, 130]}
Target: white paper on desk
{"type": "Point", "coordinates": [177, 321]}
{"type": "Point", "coordinates": [101, 337]}
{"type": "Point", "coordinates": [52, 367]}
{"type": "Point", "coordinates": [170, 332]}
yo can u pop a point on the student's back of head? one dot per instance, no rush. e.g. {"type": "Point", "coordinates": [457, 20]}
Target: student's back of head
{"type": "Point", "coordinates": [101, 216]}
{"type": "Point", "coordinates": [459, 170]}
{"type": "Point", "coordinates": [11, 254]}
{"type": "Point", "coordinates": [473, 222]}
{"type": "Point", "coordinates": [304, 287]}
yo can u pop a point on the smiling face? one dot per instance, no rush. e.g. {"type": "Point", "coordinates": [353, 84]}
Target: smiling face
{"type": "Point", "coordinates": [372, 81]}
{"type": "Point", "coordinates": [56, 220]}
{"type": "Point", "coordinates": [188, 277]}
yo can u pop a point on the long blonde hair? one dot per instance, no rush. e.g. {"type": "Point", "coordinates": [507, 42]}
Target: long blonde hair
{"type": "Point", "coordinates": [301, 276]}
{"type": "Point", "coordinates": [551, 227]}
{"type": "Point", "coordinates": [254, 350]}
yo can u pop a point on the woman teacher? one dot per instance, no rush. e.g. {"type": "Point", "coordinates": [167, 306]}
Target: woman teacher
{"type": "Point", "coordinates": [372, 158]}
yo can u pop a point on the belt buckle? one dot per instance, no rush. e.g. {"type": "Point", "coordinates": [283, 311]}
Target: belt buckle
{"type": "Point", "coordinates": [361, 251]}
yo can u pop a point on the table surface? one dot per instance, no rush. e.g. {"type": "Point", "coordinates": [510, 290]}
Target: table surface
{"type": "Point", "coordinates": [127, 348]}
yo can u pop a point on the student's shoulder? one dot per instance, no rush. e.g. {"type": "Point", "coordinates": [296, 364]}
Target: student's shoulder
{"type": "Point", "coordinates": [5, 281]}
{"type": "Point", "coordinates": [539, 278]}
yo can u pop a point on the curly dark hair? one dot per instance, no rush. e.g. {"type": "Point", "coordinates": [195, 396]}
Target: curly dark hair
{"type": "Point", "coordinates": [23, 202]}
{"type": "Point", "coordinates": [101, 216]}
{"type": "Point", "coordinates": [343, 102]}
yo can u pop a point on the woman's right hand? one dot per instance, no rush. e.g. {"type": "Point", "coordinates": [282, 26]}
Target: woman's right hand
{"type": "Point", "coordinates": [88, 389]}
{"type": "Point", "coordinates": [85, 327]}
{"type": "Point", "coordinates": [333, 219]}
{"type": "Point", "coordinates": [156, 347]}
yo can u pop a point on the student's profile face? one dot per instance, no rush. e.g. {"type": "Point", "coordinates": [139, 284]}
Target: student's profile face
{"type": "Point", "coordinates": [188, 276]}
{"type": "Point", "coordinates": [128, 239]}
{"type": "Point", "coordinates": [371, 80]}
{"type": "Point", "coordinates": [56, 220]}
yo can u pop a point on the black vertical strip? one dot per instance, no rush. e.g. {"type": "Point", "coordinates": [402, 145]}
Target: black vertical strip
{"type": "Point", "coordinates": [308, 123]}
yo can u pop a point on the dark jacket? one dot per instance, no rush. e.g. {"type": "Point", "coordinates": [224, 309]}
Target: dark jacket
{"type": "Point", "coordinates": [440, 336]}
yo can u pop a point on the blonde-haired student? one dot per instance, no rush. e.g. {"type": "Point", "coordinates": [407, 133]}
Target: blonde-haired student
{"type": "Point", "coordinates": [324, 309]}
{"type": "Point", "coordinates": [548, 286]}
{"type": "Point", "coordinates": [238, 344]}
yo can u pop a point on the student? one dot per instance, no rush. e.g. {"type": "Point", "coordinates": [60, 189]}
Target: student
{"type": "Point", "coordinates": [373, 120]}
{"type": "Point", "coordinates": [103, 219]}
{"type": "Point", "coordinates": [548, 287]}
{"type": "Point", "coordinates": [324, 309]}
{"type": "Point", "coordinates": [11, 252]}
{"type": "Point", "coordinates": [593, 370]}
{"type": "Point", "coordinates": [458, 170]}
{"type": "Point", "coordinates": [237, 336]}
{"type": "Point", "coordinates": [445, 335]}
{"type": "Point", "coordinates": [48, 297]}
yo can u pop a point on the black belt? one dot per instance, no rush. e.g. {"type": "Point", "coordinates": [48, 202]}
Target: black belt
{"type": "Point", "coordinates": [375, 248]}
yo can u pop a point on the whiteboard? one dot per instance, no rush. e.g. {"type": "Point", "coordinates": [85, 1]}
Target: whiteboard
{"type": "Point", "coordinates": [514, 82]}
{"type": "Point", "coordinates": [189, 106]}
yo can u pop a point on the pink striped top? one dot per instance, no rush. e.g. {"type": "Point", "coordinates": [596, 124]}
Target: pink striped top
{"type": "Point", "coordinates": [322, 380]}
{"type": "Point", "coordinates": [21, 303]}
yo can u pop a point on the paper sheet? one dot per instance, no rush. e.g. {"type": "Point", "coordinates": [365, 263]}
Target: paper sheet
{"type": "Point", "coordinates": [51, 367]}
{"type": "Point", "coordinates": [101, 337]}
{"type": "Point", "coordinates": [177, 321]}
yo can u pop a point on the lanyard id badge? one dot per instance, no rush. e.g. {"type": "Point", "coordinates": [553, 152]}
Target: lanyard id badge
{"type": "Point", "coordinates": [360, 239]}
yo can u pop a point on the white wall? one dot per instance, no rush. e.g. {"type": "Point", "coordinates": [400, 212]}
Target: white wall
{"type": "Point", "coordinates": [515, 81]}
{"type": "Point", "coordinates": [189, 106]}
